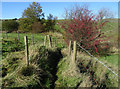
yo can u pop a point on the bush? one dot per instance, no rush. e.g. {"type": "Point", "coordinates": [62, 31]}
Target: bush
{"type": "Point", "coordinates": [25, 24]}
{"type": "Point", "coordinates": [84, 27]}
{"type": "Point", "coordinates": [37, 27]}
{"type": "Point", "coordinates": [51, 21]}
{"type": "Point", "coordinates": [10, 25]}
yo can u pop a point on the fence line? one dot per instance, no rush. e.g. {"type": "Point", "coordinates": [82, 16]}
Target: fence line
{"type": "Point", "coordinates": [98, 60]}
{"type": "Point", "coordinates": [81, 48]}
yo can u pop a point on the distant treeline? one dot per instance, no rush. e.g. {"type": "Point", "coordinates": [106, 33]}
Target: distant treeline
{"type": "Point", "coordinates": [26, 25]}
{"type": "Point", "coordinates": [32, 20]}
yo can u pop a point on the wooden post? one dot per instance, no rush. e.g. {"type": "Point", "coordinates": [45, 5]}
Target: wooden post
{"type": "Point", "coordinates": [32, 39]}
{"type": "Point", "coordinates": [49, 38]}
{"type": "Point", "coordinates": [69, 49]}
{"type": "Point", "coordinates": [6, 35]}
{"type": "Point", "coordinates": [18, 35]}
{"type": "Point", "coordinates": [74, 52]}
{"type": "Point", "coordinates": [54, 42]}
{"type": "Point", "coordinates": [26, 50]}
{"type": "Point", "coordinates": [45, 41]}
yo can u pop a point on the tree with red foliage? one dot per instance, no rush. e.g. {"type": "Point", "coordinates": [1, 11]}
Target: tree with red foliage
{"type": "Point", "coordinates": [84, 27]}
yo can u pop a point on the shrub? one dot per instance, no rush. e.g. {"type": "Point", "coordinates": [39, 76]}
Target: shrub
{"type": "Point", "coordinates": [51, 21]}
{"type": "Point", "coordinates": [10, 25]}
{"type": "Point", "coordinates": [25, 24]}
{"type": "Point", "coordinates": [37, 27]}
{"type": "Point", "coordinates": [84, 27]}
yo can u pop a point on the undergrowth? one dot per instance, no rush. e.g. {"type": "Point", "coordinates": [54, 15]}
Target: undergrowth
{"type": "Point", "coordinates": [41, 73]}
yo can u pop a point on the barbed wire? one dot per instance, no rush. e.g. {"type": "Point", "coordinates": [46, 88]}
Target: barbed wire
{"type": "Point", "coordinates": [98, 60]}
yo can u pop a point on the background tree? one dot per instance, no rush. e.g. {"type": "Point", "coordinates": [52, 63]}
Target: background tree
{"type": "Point", "coordinates": [70, 13]}
{"type": "Point", "coordinates": [31, 15]}
{"type": "Point", "coordinates": [50, 23]}
{"type": "Point", "coordinates": [33, 12]}
{"type": "Point", "coordinates": [105, 13]}
{"type": "Point", "coordinates": [10, 25]}
{"type": "Point", "coordinates": [25, 24]}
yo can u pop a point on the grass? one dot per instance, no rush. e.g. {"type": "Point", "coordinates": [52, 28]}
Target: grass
{"type": "Point", "coordinates": [47, 69]}
{"type": "Point", "coordinates": [40, 73]}
{"type": "Point", "coordinates": [76, 75]}
{"type": "Point", "coordinates": [99, 72]}
{"type": "Point", "coordinates": [58, 29]}
{"type": "Point", "coordinates": [111, 59]}
{"type": "Point", "coordinates": [12, 44]}
{"type": "Point", "coordinates": [67, 75]}
{"type": "Point", "coordinates": [37, 37]}
{"type": "Point", "coordinates": [111, 30]}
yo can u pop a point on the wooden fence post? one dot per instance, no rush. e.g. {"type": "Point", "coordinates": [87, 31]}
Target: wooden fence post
{"type": "Point", "coordinates": [26, 50]}
{"type": "Point", "coordinates": [69, 48]}
{"type": "Point", "coordinates": [6, 35]}
{"type": "Point", "coordinates": [49, 38]}
{"type": "Point", "coordinates": [74, 52]}
{"type": "Point", "coordinates": [54, 42]}
{"type": "Point", "coordinates": [45, 41]}
{"type": "Point", "coordinates": [32, 39]}
{"type": "Point", "coordinates": [18, 35]}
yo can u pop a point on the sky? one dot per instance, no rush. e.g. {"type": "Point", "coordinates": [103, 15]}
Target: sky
{"type": "Point", "coordinates": [12, 10]}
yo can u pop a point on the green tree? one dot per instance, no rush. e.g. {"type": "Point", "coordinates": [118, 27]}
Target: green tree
{"type": "Point", "coordinates": [25, 24]}
{"type": "Point", "coordinates": [31, 15]}
{"type": "Point", "coordinates": [10, 25]}
{"type": "Point", "coordinates": [33, 12]}
{"type": "Point", "coordinates": [50, 23]}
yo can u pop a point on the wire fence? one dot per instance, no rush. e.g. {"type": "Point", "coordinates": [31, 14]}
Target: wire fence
{"type": "Point", "coordinates": [99, 61]}
{"type": "Point", "coordinates": [106, 72]}
{"type": "Point", "coordinates": [58, 42]}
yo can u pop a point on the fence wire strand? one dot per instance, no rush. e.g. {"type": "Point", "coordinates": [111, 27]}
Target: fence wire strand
{"type": "Point", "coordinates": [98, 60]}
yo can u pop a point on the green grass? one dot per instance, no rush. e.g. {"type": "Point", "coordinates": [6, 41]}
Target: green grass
{"type": "Point", "coordinates": [44, 58]}
{"type": "Point", "coordinates": [11, 44]}
{"type": "Point", "coordinates": [40, 73]}
{"type": "Point", "coordinates": [112, 59]}
{"type": "Point", "coordinates": [37, 37]}
{"type": "Point", "coordinates": [59, 29]}
{"type": "Point", "coordinates": [67, 74]}
{"type": "Point", "coordinates": [111, 30]}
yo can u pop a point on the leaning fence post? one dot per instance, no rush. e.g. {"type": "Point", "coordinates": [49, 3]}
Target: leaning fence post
{"type": "Point", "coordinates": [49, 41]}
{"type": "Point", "coordinates": [69, 49]}
{"type": "Point", "coordinates": [18, 35]}
{"type": "Point", "coordinates": [74, 52]}
{"type": "Point", "coordinates": [45, 41]}
{"type": "Point", "coordinates": [26, 50]}
{"type": "Point", "coordinates": [32, 39]}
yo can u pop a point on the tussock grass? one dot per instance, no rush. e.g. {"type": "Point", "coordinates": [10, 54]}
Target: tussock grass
{"type": "Point", "coordinates": [100, 73]}
{"type": "Point", "coordinates": [77, 76]}
{"type": "Point", "coordinates": [40, 73]}
{"type": "Point", "coordinates": [67, 74]}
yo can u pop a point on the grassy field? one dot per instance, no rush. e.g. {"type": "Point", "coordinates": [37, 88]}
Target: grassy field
{"type": "Point", "coordinates": [11, 44]}
{"type": "Point", "coordinates": [52, 67]}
